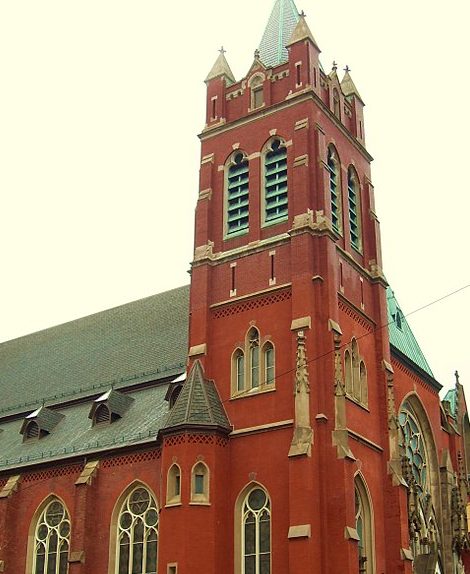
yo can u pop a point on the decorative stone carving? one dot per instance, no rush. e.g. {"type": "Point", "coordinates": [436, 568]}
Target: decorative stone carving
{"type": "Point", "coordinates": [303, 433]}
{"type": "Point", "coordinates": [204, 252]}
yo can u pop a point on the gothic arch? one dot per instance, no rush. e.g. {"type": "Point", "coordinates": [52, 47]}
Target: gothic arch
{"type": "Point", "coordinates": [113, 532]}
{"type": "Point", "coordinates": [239, 522]}
{"type": "Point", "coordinates": [366, 545]}
{"type": "Point", "coordinates": [31, 546]}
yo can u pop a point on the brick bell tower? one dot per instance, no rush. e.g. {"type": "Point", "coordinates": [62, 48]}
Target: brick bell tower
{"type": "Point", "coordinates": [286, 292]}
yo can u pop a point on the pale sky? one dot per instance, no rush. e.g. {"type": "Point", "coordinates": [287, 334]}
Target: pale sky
{"type": "Point", "coordinates": [101, 104]}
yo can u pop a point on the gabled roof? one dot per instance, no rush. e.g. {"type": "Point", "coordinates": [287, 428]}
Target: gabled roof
{"type": "Point", "coordinates": [401, 336]}
{"type": "Point", "coordinates": [198, 404]}
{"type": "Point", "coordinates": [278, 32]}
{"type": "Point", "coordinates": [45, 418]}
{"type": "Point", "coordinates": [142, 341]}
{"type": "Point", "coordinates": [117, 403]}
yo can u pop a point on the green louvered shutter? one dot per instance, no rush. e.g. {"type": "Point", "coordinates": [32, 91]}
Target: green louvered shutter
{"type": "Point", "coordinates": [353, 200]}
{"type": "Point", "coordinates": [275, 190]}
{"type": "Point", "coordinates": [334, 191]}
{"type": "Point", "coordinates": [237, 195]}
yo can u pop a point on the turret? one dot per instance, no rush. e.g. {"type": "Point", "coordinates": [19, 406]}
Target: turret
{"type": "Point", "coordinates": [218, 79]}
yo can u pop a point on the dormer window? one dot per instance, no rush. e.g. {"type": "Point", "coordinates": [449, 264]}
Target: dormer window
{"type": "Point", "coordinates": [174, 390]}
{"type": "Point", "coordinates": [109, 407]}
{"type": "Point", "coordinates": [39, 423]}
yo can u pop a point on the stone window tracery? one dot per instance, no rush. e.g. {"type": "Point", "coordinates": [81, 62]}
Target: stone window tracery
{"type": "Point", "coordinates": [52, 540]}
{"type": "Point", "coordinates": [253, 366]}
{"type": "Point", "coordinates": [137, 534]}
{"type": "Point", "coordinates": [355, 372]}
{"type": "Point", "coordinates": [256, 533]}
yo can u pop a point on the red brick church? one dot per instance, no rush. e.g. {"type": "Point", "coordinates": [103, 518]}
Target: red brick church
{"type": "Point", "coordinates": [277, 415]}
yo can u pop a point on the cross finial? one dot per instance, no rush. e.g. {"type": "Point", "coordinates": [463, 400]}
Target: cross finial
{"type": "Point", "coordinates": [335, 66]}
{"type": "Point", "coordinates": [222, 51]}
{"type": "Point", "coordinates": [302, 14]}
{"type": "Point", "coordinates": [457, 377]}
{"type": "Point", "coordinates": [347, 69]}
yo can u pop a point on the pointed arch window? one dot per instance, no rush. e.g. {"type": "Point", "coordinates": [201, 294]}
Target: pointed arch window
{"type": "Point", "coordinates": [354, 209]}
{"type": "Point", "coordinates": [237, 194]}
{"type": "Point", "coordinates": [275, 182]}
{"type": "Point", "coordinates": [256, 533]}
{"type": "Point", "coordinates": [137, 534]}
{"type": "Point", "coordinates": [52, 540]}
{"type": "Point", "coordinates": [355, 374]}
{"type": "Point", "coordinates": [200, 483]}
{"type": "Point", "coordinates": [253, 345]}
{"type": "Point", "coordinates": [253, 366]}
{"type": "Point", "coordinates": [364, 527]}
{"type": "Point", "coordinates": [334, 188]}
{"type": "Point", "coordinates": [173, 485]}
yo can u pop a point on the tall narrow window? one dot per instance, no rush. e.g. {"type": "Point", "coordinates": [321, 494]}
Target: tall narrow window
{"type": "Point", "coordinates": [173, 485]}
{"type": "Point", "coordinates": [275, 182]}
{"type": "Point", "coordinates": [237, 194]}
{"type": "Point", "coordinates": [257, 92]}
{"type": "Point", "coordinates": [335, 188]}
{"type": "Point", "coordinates": [256, 533]}
{"type": "Point", "coordinates": [268, 356]}
{"type": "Point", "coordinates": [137, 534]}
{"type": "Point", "coordinates": [354, 210]}
{"type": "Point", "coordinates": [355, 374]}
{"type": "Point", "coordinates": [52, 540]}
{"type": "Point", "coordinates": [200, 483]}
{"type": "Point", "coordinates": [238, 371]}
{"type": "Point", "coordinates": [364, 527]}
{"type": "Point", "coordinates": [253, 340]}
{"type": "Point", "coordinates": [336, 104]}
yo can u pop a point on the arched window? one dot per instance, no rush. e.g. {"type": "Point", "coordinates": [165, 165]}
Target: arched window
{"type": "Point", "coordinates": [237, 193]}
{"type": "Point", "coordinates": [238, 371]}
{"type": "Point", "coordinates": [268, 361]}
{"type": "Point", "coordinates": [257, 92]}
{"type": "Point", "coordinates": [256, 533]}
{"type": "Point", "coordinates": [32, 431]}
{"type": "Point", "coordinates": [52, 540]}
{"type": "Point", "coordinates": [418, 456]}
{"type": "Point", "coordinates": [102, 415]}
{"type": "Point", "coordinates": [354, 209]}
{"type": "Point", "coordinates": [253, 346]}
{"type": "Point", "coordinates": [173, 485]}
{"type": "Point", "coordinates": [200, 483]}
{"type": "Point", "coordinates": [364, 527]}
{"type": "Point", "coordinates": [174, 395]}
{"type": "Point", "coordinates": [275, 182]}
{"type": "Point", "coordinates": [336, 104]}
{"type": "Point", "coordinates": [335, 188]}
{"type": "Point", "coordinates": [355, 374]}
{"type": "Point", "coordinates": [137, 534]}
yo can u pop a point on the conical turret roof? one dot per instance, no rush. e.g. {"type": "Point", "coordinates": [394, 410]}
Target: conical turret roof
{"type": "Point", "coordinates": [302, 32]}
{"type": "Point", "coordinates": [221, 68]}
{"type": "Point", "coordinates": [281, 25]}
{"type": "Point", "coordinates": [348, 87]}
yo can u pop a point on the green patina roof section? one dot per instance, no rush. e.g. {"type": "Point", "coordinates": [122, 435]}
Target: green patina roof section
{"type": "Point", "coordinates": [281, 25]}
{"type": "Point", "coordinates": [452, 398]}
{"type": "Point", "coordinates": [142, 341]}
{"type": "Point", "coordinates": [401, 336]}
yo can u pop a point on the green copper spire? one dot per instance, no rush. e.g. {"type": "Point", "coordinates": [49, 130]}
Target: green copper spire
{"type": "Point", "coordinates": [278, 32]}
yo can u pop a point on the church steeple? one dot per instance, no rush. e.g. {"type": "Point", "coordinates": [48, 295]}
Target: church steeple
{"type": "Point", "coordinates": [279, 29]}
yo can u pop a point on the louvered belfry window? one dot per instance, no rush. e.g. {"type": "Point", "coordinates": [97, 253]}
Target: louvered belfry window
{"type": "Point", "coordinates": [275, 188]}
{"type": "Point", "coordinates": [51, 540]}
{"type": "Point", "coordinates": [334, 190]}
{"type": "Point", "coordinates": [138, 534]}
{"type": "Point", "coordinates": [237, 194]}
{"type": "Point", "coordinates": [354, 211]}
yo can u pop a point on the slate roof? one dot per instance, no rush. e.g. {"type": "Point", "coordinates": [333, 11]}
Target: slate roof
{"type": "Point", "coordinates": [141, 341]}
{"type": "Point", "coordinates": [279, 29]}
{"type": "Point", "coordinates": [401, 335]}
{"type": "Point", "coordinates": [198, 403]}
{"type": "Point", "coordinates": [75, 434]}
